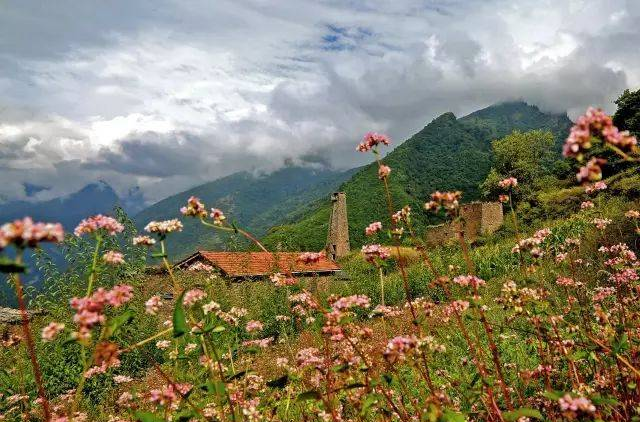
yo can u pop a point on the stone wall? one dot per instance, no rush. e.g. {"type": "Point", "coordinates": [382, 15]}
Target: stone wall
{"type": "Point", "coordinates": [479, 219]}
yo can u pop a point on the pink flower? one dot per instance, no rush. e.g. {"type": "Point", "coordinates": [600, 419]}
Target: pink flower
{"type": "Point", "coordinates": [152, 306]}
{"type": "Point", "coordinates": [601, 293]}
{"type": "Point", "coordinates": [98, 222]}
{"type": "Point", "coordinates": [193, 296]}
{"type": "Point", "coordinates": [383, 171]}
{"type": "Point", "coordinates": [469, 280]}
{"type": "Point", "coordinates": [164, 227]}
{"type": "Point", "coordinates": [163, 344]}
{"type": "Point", "coordinates": [371, 140]}
{"type": "Point", "coordinates": [121, 379]}
{"type": "Point", "coordinates": [595, 124]}
{"type": "Point", "coordinates": [633, 214]}
{"type": "Point", "coordinates": [586, 205]}
{"type": "Point", "coordinates": [373, 228]}
{"type": "Point", "coordinates": [281, 281]}
{"type": "Point", "coordinates": [310, 257]}
{"type": "Point", "coordinates": [447, 200]}
{"type": "Point", "coordinates": [592, 171]}
{"type": "Point", "coordinates": [503, 198]}
{"type": "Point", "coordinates": [348, 302]}
{"type": "Point", "coordinates": [194, 208]}
{"type": "Point", "coordinates": [373, 252]}
{"type": "Point", "coordinates": [25, 233]}
{"type": "Point", "coordinates": [113, 258]}
{"type": "Point", "coordinates": [509, 182]}
{"type": "Point", "coordinates": [51, 331]}
{"type": "Point", "coordinates": [143, 241]}
{"type": "Point", "coordinates": [261, 343]}
{"type": "Point", "coordinates": [398, 348]}
{"type": "Point", "coordinates": [218, 217]}
{"type": "Point", "coordinates": [401, 215]}
{"type": "Point", "coordinates": [119, 295]}
{"type": "Point", "coordinates": [254, 326]}
{"type": "Point", "coordinates": [573, 407]}
{"type": "Point", "coordinates": [589, 189]}
{"type": "Point", "coordinates": [601, 223]}
{"type": "Point", "coordinates": [565, 281]}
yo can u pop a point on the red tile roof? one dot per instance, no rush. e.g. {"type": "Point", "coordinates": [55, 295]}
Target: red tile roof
{"type": "Point", "coordinates": [238, 264]}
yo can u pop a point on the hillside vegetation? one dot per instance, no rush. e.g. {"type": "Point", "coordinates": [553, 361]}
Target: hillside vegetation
{"type": "Point", "coordinates": [421, 165]}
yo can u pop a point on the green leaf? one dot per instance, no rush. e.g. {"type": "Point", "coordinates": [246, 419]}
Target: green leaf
{"type": "Point", "coordinates": [309, 395]}
{"type": "Point", "coordinates": [451, 416]}
{"type": "Point", "coordinates": [179, 318]}
{"type": "Point", "coordinates": [10, 266]}
{"type": "Point", "coordinates": [620, 345]}
{"type": "Point", "coordinates": [117, 322]}
{"type": "Point", "coordinates": [279, 382]}
{"type": "Point", "coordinates": [367, 403]}
{"type": "Point", "coordinates": [553, 395]}
{"type": "Point", "coordinates": [522, 412]}
{"type": "Point", "coordinates": [148, 417]}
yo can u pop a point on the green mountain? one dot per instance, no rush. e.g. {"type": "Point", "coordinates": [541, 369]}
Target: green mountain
{"type": "Point", "coordinates": [256, 203]}
{"type": "Point", "coordinates": [448, 154]}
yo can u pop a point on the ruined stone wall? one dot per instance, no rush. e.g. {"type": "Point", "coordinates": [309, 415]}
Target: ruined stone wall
{"type": "Point", "coordinates": [480, 219]}
{"type": "Point", "coordinates": [338, 236]}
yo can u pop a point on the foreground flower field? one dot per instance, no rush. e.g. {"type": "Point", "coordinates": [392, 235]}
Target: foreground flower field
{"type": "Point", "coordinates": [540, 325]}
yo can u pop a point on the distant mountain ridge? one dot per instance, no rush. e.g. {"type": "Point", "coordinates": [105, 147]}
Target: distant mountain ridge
{"type": "Point", "coordinates": [449, 153]}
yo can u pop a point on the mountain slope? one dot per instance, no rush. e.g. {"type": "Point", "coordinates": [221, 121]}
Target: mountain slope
{"type": "Point", "coordinates": [447, 154]}
{"type": "Point", "coordinates": [255, 203]}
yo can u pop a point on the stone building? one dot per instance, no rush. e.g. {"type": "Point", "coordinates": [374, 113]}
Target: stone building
{"type": "Point", "coordinates": [338, 235]}
{"type": "Point", "coordinates": [479, 219]}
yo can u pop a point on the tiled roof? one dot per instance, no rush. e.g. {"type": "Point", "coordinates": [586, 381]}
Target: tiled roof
{"type": "Point", "coordinates": [237, 264]}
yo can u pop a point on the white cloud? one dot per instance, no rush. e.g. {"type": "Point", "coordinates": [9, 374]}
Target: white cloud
{"type": "Point", "coordinates": [220, 87]}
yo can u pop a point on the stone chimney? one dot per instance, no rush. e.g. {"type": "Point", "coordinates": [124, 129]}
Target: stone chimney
{"type": "Point", "coordinates": [338, 236]}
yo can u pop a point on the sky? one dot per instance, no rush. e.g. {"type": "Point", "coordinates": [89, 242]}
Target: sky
{"type": "Point", "coordinates": [167, 94]}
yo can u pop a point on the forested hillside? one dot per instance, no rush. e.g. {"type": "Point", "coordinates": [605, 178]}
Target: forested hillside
{"type": "Point", "coordinates": [421, 165]}
{"type": "Point", "coordinates": [254, 202]}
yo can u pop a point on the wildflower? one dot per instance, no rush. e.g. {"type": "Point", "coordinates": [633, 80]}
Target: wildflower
{"type": "Point", "coordinates": [121, 379]}
{"type": "Point", "coordinates": [194, 208]}
{"type": "Point", "coordinates": [371, 140]}
{"type": "Point", "coordinates": [402, 215]}
{"type": "Point", "coordinates": [51, 331]}
{"type": "Point", "coordinates": [210, 307]}
{"type": "Point", "coordinates": [113, 258]}
{"type": "Point", "coordinates": [589, 189]}
{"type": "Point", "coordinates": [592, 171]}
{"type": "Point", "coordinates": [25, 233]}
{"type": "Point", "coordinates": [218, 217]}
{"type": "Point", "coordinates": [509, 182]}
{"type": "Point", "coordinates": [200, 266]}
{"type": "Point", "coordinates": [595, 123]}
{"type": "Point", "coordinates": [565, 281]}
{"type": "Point", "coordinates": [455, 308]}
{"type": "Point", "coordinates": [586, 205]}
{"type": "Point", "coordinates": [125, 399]}
{"type": "Point", "coordinates": [143, 241]}
{"type": "Point", "coordinates": [503, 198]}
{"type": "Point", "coordinates": [253, 326]}
{"type": "Point", "coordinates": [190, 347]}
{"type": "Point", "coordinates": [152, 305]}
{"type": "Point", "coordinates": [469, 280]}
{"type": "Point", "coordinates": [601, 223]}
{"type": "Point", "coordinates": [163, 344]}
{"type": "Point", "coordinates": [383, 171]}
{"type": "Point", "coordinates": [119, 295]}
{"type": "Point", "coordinates": [261, 343]}
{"type": "Point", "coordinates": [398, 347]}
{"type": "Point", "coordinates": [601, 293]}
{"type": "Point", "coordinates": [348, 302]}
{"type": "Point", "coordinates": [309, 357]}
{"type": "Point", "coordinates": [164, 227]}
{"type": "Point", "coordinates": [633, 214]}
{"type": "Point", "coordinates": [98, 222]}
{"type": "Point", "coordinates": [192, 296]}
{"type": "Point", "coordinates": [281, 281]}
{"type": "Point", "coordinates": [373, 252]}
{"type": "Point", "coordinates": [573, 407]}
{"type": "Point", "coordinates": [373, 228]}
{"type": "Point", "coordinates": [447, 200]}
{"type": "Point", "coordinates": [310, 257]}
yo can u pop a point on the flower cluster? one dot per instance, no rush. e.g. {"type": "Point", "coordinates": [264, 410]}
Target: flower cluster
{"type": "Point", "coordinates": [598, 186]}
{"type": "Point", "coordinates": [99, 222]}
{"type": "Point", "coordinates": [143, 241]}
{"type": "Point", "coordinates": [592, 171]}
{"type": "Point", "coordinates": [194, 208]}
{"type": "Point", "coordinates": [164, 227]}
{"type": "Point", "coordinates": [281, 280]}
{"type": "Point", "coordinates": [469, 280]}
{"type": "Point", "coordinates": [217, 216]}
{"type": "Point", "coordinates": [595, 123]}
{"type": "Point", "coordinates": [508, 183]}
{"type": "Point", "coordinates": [90, 310]}
{"type": "Point", "coordinates": [399, 347]}
{"type": "Point", "coordinates": [447, 200]}
{"type": "Point", "coordinates": [191, 297]}
{"type": "Point", "coordinates": [402, 215]}
{"type": "Point", "coordinates": [372, 140]}
{"type": "Point", "coordinates": [25, 233]}
{"type": "Point", "coordinates": [372, 253]}
{"type": "Point", "coordinates": [383, 171]}
{"type": "Point", "coordinates": [373, 228]}
{"type": "Point", "coordinates": [311, 257]}
{"type": "Point", "coordinates": [113, 258]}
